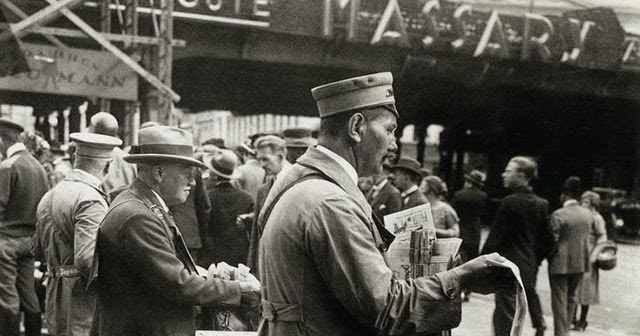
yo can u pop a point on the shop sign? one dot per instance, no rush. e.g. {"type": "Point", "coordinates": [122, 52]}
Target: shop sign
{"type": "Point", "coordinates": [76, 72]}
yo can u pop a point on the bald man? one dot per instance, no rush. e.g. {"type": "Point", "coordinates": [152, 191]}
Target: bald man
{"type": "Point", "coordinates": [121, 173]}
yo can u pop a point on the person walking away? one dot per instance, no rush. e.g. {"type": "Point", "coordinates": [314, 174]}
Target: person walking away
{"type": "Point", "coordinates": [69, 216]}
{"type": "Point", "coordinates": [520, 233]}
{"type": "Point", "coordinates": [571, 225]}
{"type": "Point", "coordinates": [23, 182]}
{"type": "Point", "coordinates": [470, 203]}
{"type": "Point", "coordinates": [226, 241]}
{"type": "Point", "coordinates": [589, 289]}
{"type": "Point", "coordinates": [445, 218]}
{"type": "Point", "coordinates": [321, 256]}
{"type": "Point", "coordinates": [148, 283]}
{"type": "Point", "coordinates": [406, 177]}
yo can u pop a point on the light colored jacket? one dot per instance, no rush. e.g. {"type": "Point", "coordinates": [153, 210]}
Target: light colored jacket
{"type": "Point", "coordinates": [322, 268]}
{"type": "Point", "coordinates": [571, 226]}
{"type": "Point", "coordinates": [69, 216]}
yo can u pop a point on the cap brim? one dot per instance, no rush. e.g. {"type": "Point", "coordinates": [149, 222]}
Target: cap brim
{"type": "Point", "coordinates": [163, 158]}
{"type": "Point", "coordinates": [419, 173]}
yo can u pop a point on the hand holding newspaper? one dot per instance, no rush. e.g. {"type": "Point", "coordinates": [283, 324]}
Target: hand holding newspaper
{"type": "Point", "coordinates": [417, 253]}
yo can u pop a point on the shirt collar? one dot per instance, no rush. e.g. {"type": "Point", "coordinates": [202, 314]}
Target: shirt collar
{"type": "Point", "coordinates": [162, 203]}
{"type": "Point", "coordinates": [409, 191]}
{"type": "Point", "coordinates": [346, 166]}
{"type": "Point", "coordinates": [16, 147]}
{"type": "Point", "coordinates": [569, 202]}
{"type": "Point", "coordinates": [381, 184]}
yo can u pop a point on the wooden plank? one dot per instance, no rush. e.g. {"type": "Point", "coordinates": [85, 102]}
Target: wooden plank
{"type": "Point", "coordinates": [9, 5]}
{"type": "Point", "coordinates": [111, 37]}
{"type": "Point", "coordinates": [117, 52]}
{"type": "Point", "coordinates": [46, 14]}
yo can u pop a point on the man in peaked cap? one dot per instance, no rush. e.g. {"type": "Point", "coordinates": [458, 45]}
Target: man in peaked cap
{"type": "Point", "coordinates": [69, 216]}
{"type": "Point", "coordinates": [335, 280]}
{"type": "Point", "coordinates": [23, 181]}
{"type": "Point", "coordinates": [407, 177]}
{"type": "Point", "coordinates": [297, 141]}
{"type": "Point", "coordinates": [148, 283]}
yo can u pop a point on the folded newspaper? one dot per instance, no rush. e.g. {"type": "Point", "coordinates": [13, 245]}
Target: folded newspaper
{"type": "Point", "coordinates": [417, 253]}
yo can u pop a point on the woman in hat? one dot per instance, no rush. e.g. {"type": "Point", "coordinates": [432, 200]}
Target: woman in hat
{"type": "Point", "coordinates": [445, 218]}
{"type": "Point", "coordinates": [588, 292]}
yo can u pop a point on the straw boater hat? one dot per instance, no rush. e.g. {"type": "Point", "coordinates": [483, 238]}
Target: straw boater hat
{"type": "Point", "coordinates": [476, 178]}
{"type": "Point", "coordinates": [299, 138]}
{"type": "Point", "coordinates": [5, 123]}
{"type": "Point", "coordinates": [97, 146]}
{"type": "Point", "coordinates": [355, 93]}
{"type": "Point", "coordinates": [163, 144]}
{"type": "Point", "coordinates": [222, 163]}
{"type": "Point", "coordinates": [408, 164]}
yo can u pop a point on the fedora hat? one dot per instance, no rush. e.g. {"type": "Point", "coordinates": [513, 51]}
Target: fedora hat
{"type": "Point", "coordinates": [476, 178]}
{"type": "Point", "coordinates": [355, 93]}
{"type": "Point", "coordinates": [222, 163]}
{"type": "Point", "coordinates": [408, 164]}
{"type": "Point", "coordinates": [163, 144]}
{"type": "Point", "coordinates": [5, 123]}
{"type": "Point", "coordinates": [94, 145]}
{"type": "Point", "coordinates": [299, 138]}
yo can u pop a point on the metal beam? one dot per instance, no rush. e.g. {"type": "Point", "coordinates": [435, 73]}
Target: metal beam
{"type": "Point", "coordinates": [117, 52]}
{"type": "Point", "coordinates": [17, 11]}
{"type": "Point", "coordinates": [111, 37]}
{"type": "Point", "coordinates": [42, 16]}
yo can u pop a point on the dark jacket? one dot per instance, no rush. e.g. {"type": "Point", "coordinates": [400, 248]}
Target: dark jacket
{"type": "Point", "coordinates": [470, 205]}
{"type": "Point", "coordinates": [521, 232]}
{"type": "Point", "coordinates": [386, 201]}
{"type": "Point", "coordinates": [415, 198]}
{"type": "Point", "coordinates": [226, 240]}
{"type": "Point", "coordinates": [192, 216]}
{"type": "Point", "coordinates": [147, 282]}
{"type": "Point", "coordinates": [23, 182]}
{"type": "Point", "coordinates": [256, 231]}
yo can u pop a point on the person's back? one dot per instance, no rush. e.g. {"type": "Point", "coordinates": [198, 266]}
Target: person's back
{"type": "Point", "coordinates": [572, 229]}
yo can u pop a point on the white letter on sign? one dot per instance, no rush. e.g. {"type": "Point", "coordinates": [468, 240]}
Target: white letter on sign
{"type": "Point", "coordinates": [493, 29]}
{"type": "Point", "coordinates": [399, 34]}
{"type": "Point", "coordinates": [188, 3]}
{"type": "Point", "coordinates": [539, 43]}
{"type": "Point", "coordinates": [214, 7]}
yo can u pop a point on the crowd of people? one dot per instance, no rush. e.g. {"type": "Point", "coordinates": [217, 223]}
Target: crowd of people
{"type": "Point", "coordinates": [289, 227]}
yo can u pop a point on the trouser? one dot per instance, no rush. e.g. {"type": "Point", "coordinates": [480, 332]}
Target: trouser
{"type": "Point", "coordinates": [563, 300]}
{"type": "Point", "coordinates": [506, 307]}
{"type": "Point", "coordinates": [17, 284]}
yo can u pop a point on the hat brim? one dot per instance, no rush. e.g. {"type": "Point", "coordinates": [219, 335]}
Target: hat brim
{"type": "Point", "coordinates": [163, 158]}
{"type": "Point", "coordinates": [207, 161]}
{"type": "Point", "coordinates": [473, 181]}
{"type": "Point", "coordinates": [418, 173]}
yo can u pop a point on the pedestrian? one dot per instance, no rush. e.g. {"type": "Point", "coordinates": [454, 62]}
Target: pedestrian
{"type": "Point", "coordinates": [520, 233]}
{"type": "Point", "coordinates": [69, 216]}
{"type": "Point", "coordinates": [297, 140]}
{"type": "Point", "coordinates": [226, 241]}
{"type": "Point", "coordinates": [406, 177]}
{"type": "Point", "coordinates": [384, 197]}
{"type": "Point", "coordinates": [148, 283]}
{"type": "Point", "coordinates": [250, 172]}
{"type": "Point", "coordinates": [589, 290]}
{"type": "Point", "coordinates": [271, 152]}
{"type": "Point", "coordinates": [322, 256]}
{"type": "Point", "coordinates": [470, 203]}
{"type": "Point", "coordinates": [571, 225]}
{"type": "Point", "coordinates": [23, 182]}
{"type": "Point", "coordinates": [445, 218]}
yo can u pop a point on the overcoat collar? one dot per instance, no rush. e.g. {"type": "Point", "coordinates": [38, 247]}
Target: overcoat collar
{"type": "Point", "coordinates": [79, 175]}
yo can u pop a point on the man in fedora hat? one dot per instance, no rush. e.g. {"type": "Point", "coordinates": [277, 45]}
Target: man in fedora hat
{"type": "Point", "coordinates": [520, 232]}
{"type": "Point", "coordinates": [384, 197]}
{"type": "Point", "coordinates": [571, 226]}
{"type": "Point", "coordinates": [470, 203]}
{"type": "Point", "coordinates": [69, 216]}
{"type": "Point", "coordinates": [321, 255]}
{"type": "Point", "coordinates": [297, 141]}
{"type": "Point", "coordinates": [148, 283]}
{"type": "Point", "coordinates": [406, 177]}
{"type": "Point", "coordinates": [226, 241]}
{"type": "Point", "coordinates": [23, 181]}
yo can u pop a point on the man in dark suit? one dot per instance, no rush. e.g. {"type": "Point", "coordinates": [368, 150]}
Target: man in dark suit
{"type": "Point", "coordinates": [571, 225]}
{"type": "Point", "coordinates": [406, 177]}
{"type": "Point", "coordinates": [384, 198]}
{"type": "Point", "coordinates": [23, 182]}
{"type": "Point", "coordinates": [521, 234]}
{"type": "Point", "coordinates": [148, 283]}
{"type": "Point", "coordinates": [470, 203]}
{"type": "Point", "coordinates": [226, 241]}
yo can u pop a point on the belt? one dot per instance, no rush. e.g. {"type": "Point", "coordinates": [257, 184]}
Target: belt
{"type": "Point", "coordinates": [65, 271]}
{"type": "Point", "coordinates": [283, 312]}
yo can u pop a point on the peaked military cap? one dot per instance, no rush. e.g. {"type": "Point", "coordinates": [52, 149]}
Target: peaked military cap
{"type": "Point", "coordinates": [5, 123]}
{"type": "Point", "coordinates": [94, 145]}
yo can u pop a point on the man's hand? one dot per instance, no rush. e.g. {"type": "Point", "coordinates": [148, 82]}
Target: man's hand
{"type": "Point", "coordinates": [480, 276]}
{"type": "Point", "coordinates": [225, 271]}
